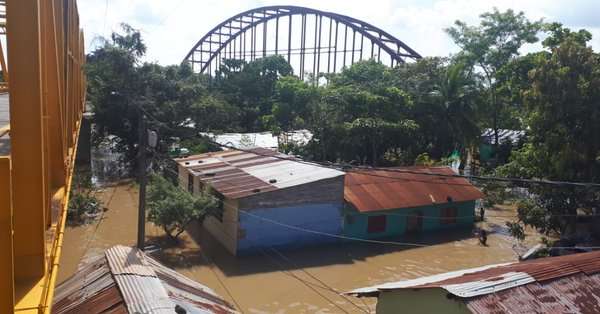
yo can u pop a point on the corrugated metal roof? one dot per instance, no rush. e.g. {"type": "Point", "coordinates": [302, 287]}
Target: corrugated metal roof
{"type": "Point", "coordinates": [125, 280]}
{"type": "Point", "coordinates": [373, 190]}
{"type": "Point", "coordinates": [237, 174]}
{"type": "Point", "coordinates": [260, 139]}
{"type": "Point", "coordinates": [493, 286]}
{"type": "Point", "coordinates": [504, 135]}
{"type": "Point", "coordinates": [574, 294]}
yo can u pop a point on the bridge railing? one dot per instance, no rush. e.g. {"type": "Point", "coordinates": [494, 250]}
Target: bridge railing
{"type": "Point", "coordinates": [46, 92]}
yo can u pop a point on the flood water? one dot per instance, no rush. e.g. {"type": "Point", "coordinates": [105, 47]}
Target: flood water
{"type": "Point", "coordinates": [299, 281]}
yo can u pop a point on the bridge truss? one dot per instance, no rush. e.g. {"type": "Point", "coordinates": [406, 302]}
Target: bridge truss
{"type": "Point", "coordinates": [312, 41]}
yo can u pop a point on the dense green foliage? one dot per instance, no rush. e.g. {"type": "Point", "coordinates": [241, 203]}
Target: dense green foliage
{"type": "Point", "coordinates": [172, 208]}
{"type": "Point", "coordinates": [372, 114]}
{"type": "Point", "coordinates": [562, 108]}
{"type": "Point", "coordinates": [83, 203]}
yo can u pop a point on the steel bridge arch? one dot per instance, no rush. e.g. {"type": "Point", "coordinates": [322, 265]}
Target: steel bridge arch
{"type": "Point", "coordinates": [215, 42]}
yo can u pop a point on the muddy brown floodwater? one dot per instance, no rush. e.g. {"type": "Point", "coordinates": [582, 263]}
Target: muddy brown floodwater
{"type": "Point", "coordinates": [298, 281]}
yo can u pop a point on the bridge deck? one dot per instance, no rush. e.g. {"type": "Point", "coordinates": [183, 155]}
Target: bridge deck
{"type": "Point", "coordinates": [4, 121]}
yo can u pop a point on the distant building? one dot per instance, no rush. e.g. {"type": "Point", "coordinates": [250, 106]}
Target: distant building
{"type": "Point", "coordinates": [565, 284]}
{"type": "Point", "coordinates": [258, 185]}
{"type": "Point", "coordinates": [505, 136]}
{"type": "Point", "coordinates": [260, 139]}
{"type": "Point", "coordinates": [383, 203]}
{"type": "Point", "coordinates": [125, 280]}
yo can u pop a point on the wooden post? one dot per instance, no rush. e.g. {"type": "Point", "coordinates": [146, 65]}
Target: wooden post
{"type": "Point", "coordinates": [142, 178]}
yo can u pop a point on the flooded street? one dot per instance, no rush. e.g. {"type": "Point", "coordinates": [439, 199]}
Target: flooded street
{"type": "Point", "coordinates": [299, 281]}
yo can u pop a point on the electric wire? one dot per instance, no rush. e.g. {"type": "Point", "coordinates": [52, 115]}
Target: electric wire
{"type": "Point", "coordinates": [363, 169]}
{"type": "Point", "coordinates": [305, 283]}
{"type": "Point", "coordinates": [298, 160]}
{"type": "Point", "coordinates": [285, 258]}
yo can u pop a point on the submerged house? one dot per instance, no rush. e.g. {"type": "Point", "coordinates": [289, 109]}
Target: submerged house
{"type": "Point", "coordinates": [126, 280]}
{"type": "Point", "coordinates": [381, 203]}
{"type": "Point", "coordinates": [267, 198]}
{"type": "Point", "coordinates": [564, 284]}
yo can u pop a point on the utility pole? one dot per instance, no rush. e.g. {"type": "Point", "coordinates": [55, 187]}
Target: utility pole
{"type": "Point", "coordinates": [142, 181]}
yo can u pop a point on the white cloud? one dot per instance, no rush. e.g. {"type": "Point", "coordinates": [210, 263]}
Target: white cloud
{"type": "Point", "coordinates": [171, 27]}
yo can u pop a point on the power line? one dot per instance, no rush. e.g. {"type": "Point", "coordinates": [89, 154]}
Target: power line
{"type": "Point", "coordinates": [330, 234]}
{"type": "Point", "coordinates": [317, 279]}
{"type": "Point", "coordinates": [487, 215]}
{"type": "Point", "coordinates": [362, 169]}
{"type": "Point", "coordinates": [307, 284]}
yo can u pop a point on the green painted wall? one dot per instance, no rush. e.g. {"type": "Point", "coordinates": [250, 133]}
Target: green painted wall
{"type": "Point", "coordinates": [423, 301]}
{"type": "Point", "coordinates": [355, 223]}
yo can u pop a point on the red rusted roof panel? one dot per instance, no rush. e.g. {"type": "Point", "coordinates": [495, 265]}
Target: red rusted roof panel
{"type": "Point", "coordinates": [373, 190]}
{"type": "Point", "coordinates": [237, 174]}
{"type": "Point", "coordinates": [125, 280]}
{"type": "Point", "coordinates": [575, 294]}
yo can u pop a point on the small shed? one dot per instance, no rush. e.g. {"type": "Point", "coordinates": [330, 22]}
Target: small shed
{"type": "Point", "coordinates": [268, 198]}
{"type": "Point", "coordinates": [382, 203]}
{"type": "Point", "coordinates": [564, 284]}
{"type": "Point", "coordinates": [125, 280]}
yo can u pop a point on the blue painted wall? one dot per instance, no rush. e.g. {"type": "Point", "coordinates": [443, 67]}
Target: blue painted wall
{"type": "Point", "coordinates": [319, 217]}
{"type": "Point", "coordinates": [355, 223]}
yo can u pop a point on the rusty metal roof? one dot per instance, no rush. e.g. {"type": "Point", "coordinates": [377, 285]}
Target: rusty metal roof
{"type": "Point", "coordinates": [373, 190]}
{"type": "Point", "coordinates": [237, 174]}
{"type": "Point", "coordinates": [125, 280]}
{"type": "Point", "coordinates": [566, 284]}
{"type": "Point", "coordinates": [578, 293]}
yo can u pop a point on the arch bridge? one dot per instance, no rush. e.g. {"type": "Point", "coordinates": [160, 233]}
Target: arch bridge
{"type": "Point", "coordinates": [312, 41]}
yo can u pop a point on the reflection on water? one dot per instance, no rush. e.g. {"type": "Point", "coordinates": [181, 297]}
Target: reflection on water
{"type": "Point", "coordinates": [107, 165]}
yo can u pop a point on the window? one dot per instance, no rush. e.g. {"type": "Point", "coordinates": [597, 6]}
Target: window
{"type": "Point", "coordinates": [448, 216]}
{"type": "Point", "coordinates": [376, 224]}
{"type": "Point", "coordinates": [190, 183]}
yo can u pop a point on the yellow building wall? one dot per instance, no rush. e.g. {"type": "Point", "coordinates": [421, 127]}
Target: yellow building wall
{"type": "Point", "coordinates": [422, 301]}
{"type": "Point", "coordinates": [225, 231]}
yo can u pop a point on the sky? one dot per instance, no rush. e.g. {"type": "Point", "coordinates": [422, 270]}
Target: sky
{"type": "Point", "coordinates": [171, 27]}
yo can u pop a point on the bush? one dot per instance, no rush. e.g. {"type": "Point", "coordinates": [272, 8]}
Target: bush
{"type": "Point", "coordinates": [172, 208]}
{"type": "Point", "coordinates": [83, 204]}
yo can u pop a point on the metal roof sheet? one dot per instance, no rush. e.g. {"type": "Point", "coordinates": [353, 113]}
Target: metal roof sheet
{"type": "Point", "coordinates": [373, 190]}
{"type": "Point", "coordinates": [125, 280]}
{"type": "Point", "coordinates": [237, 174]}
{"type": "Point", "coordinates": [574, 294]}
{"type": "Point", "coordinates": [504, 135]}
{"type": "Point", "coordinates": [260, 139]}
{"type": "Point", "coordinates": [490, 279]}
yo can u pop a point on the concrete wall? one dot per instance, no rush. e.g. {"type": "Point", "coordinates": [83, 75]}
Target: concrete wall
{"type": "Point", "coordinates": [255, 232]}
{"type": "Point", "coordinates": [422, 301]}
{"type": "Point", "coordinates": [314, 206]}
{"type": "Point", "coordinates": [183, 177]}
{"type": "Point", "coordinates": [225, 231]}
{"type": "Point", "coordinates": [396, 223]}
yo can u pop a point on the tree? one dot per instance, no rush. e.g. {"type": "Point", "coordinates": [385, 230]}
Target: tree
{"type": "Point", "coordinates": [446, 97]}
{"type": "Point", "coordinates": [120, 86]}
{"type": "Point", "coordinates": [562, 108]}
{"type": "Point", "coordinates": [361, 116]}
{"type": "Point", "coordinates": [250, 86]}
{"type": "Point", "coordinates": [173, 209]}
{"type": "Point", "coordinates": [490, 46]}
